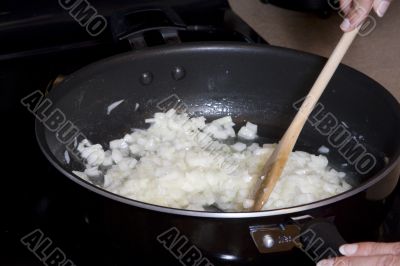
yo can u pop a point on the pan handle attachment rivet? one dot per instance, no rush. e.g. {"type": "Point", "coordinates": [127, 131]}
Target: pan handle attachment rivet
{"type": "Point", "coordinates": [268, 241]}
{"type": "Point", "coordinates": [178, 73]}
{"type": "Point", "coordinates": [146, 78]}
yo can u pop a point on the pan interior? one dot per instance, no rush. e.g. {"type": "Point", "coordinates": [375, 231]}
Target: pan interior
{"type": "Point", "coordinates": [263, 85]}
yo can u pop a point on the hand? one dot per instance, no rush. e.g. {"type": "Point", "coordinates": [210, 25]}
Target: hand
{"type": "Point", "coordinates": [357, 10]}
{"type": "Point", "coordinates": [366, 254]}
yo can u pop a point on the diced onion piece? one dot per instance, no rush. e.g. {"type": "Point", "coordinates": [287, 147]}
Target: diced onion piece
{"type": "Point", "coordinates": [114, 105]}
{"type": "Point", "coordinates": [323, 150]}
{"type": "Point", "coordinates": [238, 146]}
{"type": "Point", "coordinates": [248, 203]}
{"type": "Point", "coordinates": [92, 172]}
{"type": "Point", "coordinates": [66, 157]}
{"type": "Point", "coordinates": [249, 131]}
{"type": "Point", "coordinates": [116, 155]}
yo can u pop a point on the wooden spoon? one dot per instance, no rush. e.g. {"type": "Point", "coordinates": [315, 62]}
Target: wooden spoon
{"type": "Point", "coordinates": [276, 162]}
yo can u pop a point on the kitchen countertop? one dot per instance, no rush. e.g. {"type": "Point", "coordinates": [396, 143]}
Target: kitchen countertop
{"type": "Point", "coordinates": [377, 54]}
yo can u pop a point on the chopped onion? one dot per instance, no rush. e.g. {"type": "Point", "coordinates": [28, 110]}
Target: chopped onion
{"type": "Point", "coordinates": [238, 146]}
{"type": "Point", "coordinates": [114, 105]}
{"type": "Point", "coordinates": [249, 131]}
{"type": "Point", "coordinates": [323, 150]}
{"type": "Point", "coordinates": [66, 157]}
{"type": "Point", "coordinates": [185, 163]}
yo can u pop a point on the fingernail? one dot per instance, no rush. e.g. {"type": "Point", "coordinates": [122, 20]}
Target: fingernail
{"type": "Point", "coordinates": [346, 7]}
{"type": "Point", "coordinates": [348, 250]}
{"type": "Point", "coordinates": [382, 8]}
{"type": "Point", "coordinates": [345, 26]}
{"type": "Point", "coordinates": [325, 263]}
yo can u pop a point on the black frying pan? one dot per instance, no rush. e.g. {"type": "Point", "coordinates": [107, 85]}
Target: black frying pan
{"type": "Point", "coordinates": [250, 83]}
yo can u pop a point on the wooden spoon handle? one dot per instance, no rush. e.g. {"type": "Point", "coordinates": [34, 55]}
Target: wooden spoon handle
{"type": "Point", "coordinates": [277, 161]}
{"type": "Point", "coordinates": [318, 88]}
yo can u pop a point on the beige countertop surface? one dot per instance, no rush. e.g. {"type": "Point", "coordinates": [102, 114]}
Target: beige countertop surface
{"type": "Point", "coordinates": [377, 54]}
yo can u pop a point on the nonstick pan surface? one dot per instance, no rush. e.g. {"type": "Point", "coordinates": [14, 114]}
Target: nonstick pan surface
{"type": "Point", "coordinates": [260, 84]}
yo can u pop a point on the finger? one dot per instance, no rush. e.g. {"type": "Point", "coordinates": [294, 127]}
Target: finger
{"type": "Point", "coordinates": [370, 248]}
{"type": "Point", "coordinates": [359, 11]}
{"type": "Point", "coordinates": [345, 6]}
{"type": "Point", "coordinates": [381, 6]}
{"type": "Point", "coordinates": [385, 260]}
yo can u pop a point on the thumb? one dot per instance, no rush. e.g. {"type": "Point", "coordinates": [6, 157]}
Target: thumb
{"type": "Point", "coordinates": [385, 260]}
{"type": "Point", "coordinates": [370, 248]}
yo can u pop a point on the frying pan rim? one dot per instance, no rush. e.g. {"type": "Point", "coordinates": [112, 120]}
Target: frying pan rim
{"type": "Point", "coordinates": [40, 136]}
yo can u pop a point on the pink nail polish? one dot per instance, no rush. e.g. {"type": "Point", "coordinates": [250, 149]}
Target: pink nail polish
{"type": "Point", "coordinates": [325, 263]}
{"type": "Point", "coordinates": [382, 8]}
{"type": "Point", "coordinates": [348, 249]}
{"type": "Point", "coordinates": [345, 26]}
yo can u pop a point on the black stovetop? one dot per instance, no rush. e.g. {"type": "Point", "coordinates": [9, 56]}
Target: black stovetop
{"type": "Point", "coordinates": [35, 195]}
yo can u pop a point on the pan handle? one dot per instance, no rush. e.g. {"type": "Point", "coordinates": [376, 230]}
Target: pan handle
{"type": "Point", "coordinates": [133, 25]}
{"type": "Point", "coordinates": [320, 239]}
